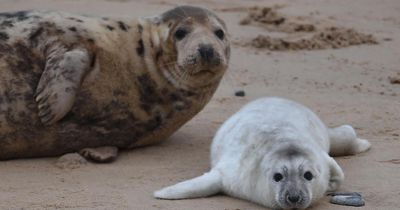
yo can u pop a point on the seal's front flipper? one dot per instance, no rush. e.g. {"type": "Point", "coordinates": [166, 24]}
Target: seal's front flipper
{"type": "Point", "coordinates": [60, 81]}
{"type": "Point", "coordinates": [100, 154]}
{"type": "Point", "coordinates": [336, 175]}
{"type": "Point", "coordinates": [208, 184]}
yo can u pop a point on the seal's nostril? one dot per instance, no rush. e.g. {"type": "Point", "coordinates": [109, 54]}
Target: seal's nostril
{"type": "Point", "coordinates": [293, 198]}
{"type": "Point", "coordinates": [206, 52]}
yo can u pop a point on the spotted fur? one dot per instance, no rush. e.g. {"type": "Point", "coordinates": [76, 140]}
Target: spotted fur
{"type": "Point", "coordinates": [70, 82]}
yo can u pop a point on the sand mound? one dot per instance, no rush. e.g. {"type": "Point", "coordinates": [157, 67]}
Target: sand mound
{"type": "Point", "coordinates": [269, 18]}
{"type": "Point", "coordinates": [328, 38]}
{"type": "Point", "coordinates": [317, 37]}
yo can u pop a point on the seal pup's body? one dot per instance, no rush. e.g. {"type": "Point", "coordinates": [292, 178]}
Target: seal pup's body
{"type": "Point", "coordinates": [70, 82]}
{"type": "Point", "coordinates": [273, 152]}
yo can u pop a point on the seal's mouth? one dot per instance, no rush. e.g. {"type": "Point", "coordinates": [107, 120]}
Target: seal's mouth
{"type": "Point", "coordinates": [203, 72]}
{"type": "Point", "coordinates": [203, 60]}
{"type": "Point", "coordinates": [293, 200]}
{"type": "Point", "coordinates": [301, 204]}
{"type": "Point", "coordinates": [196, 66]}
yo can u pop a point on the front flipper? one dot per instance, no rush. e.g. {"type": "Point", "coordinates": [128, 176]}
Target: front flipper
{"type": "Point", "coordinates": [336, 175]}
{"type": "Point", "coordinates": [208, 184]}
{"type": "Point", "coordinates": [60, 82]}
{"type": "Point", "coordinates": [100, 154]}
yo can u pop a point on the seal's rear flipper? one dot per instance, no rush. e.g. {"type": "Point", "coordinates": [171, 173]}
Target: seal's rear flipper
{"type": "Point", "coordinates": [344, 141]}
{"type": "Point", "coordinates": [202, 186]}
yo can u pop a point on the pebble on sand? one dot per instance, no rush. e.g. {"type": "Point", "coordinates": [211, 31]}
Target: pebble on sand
{"type": "Point", "coordinates": [240, 93]}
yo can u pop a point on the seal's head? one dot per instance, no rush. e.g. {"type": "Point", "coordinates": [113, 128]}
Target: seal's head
{"type": "Point", "coordinates": [196, 44]}
{"type": "Point", "coordinates": [295, 179]}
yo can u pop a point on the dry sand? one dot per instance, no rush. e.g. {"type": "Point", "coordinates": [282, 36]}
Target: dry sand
{"type": "Point", "coordinates": [358, 85]}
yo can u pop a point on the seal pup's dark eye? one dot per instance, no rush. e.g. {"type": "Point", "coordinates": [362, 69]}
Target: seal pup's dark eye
{"type": "Point", "coordinates": [220, 34]}
{"type": "Point", "coordinates": [180, 33]}
{"type": "Point", "coordinates": [308, 175]}
{"type": "Point", "coordinates": [278, 177]}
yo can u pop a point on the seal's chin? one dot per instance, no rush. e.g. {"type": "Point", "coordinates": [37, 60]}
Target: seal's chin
{"type": "Point", "coordinates": [193, 71]}
{"type": "Point", "coordinates": [207, 70]}
{"type": "Point", "coordinates": [198, 79]}
{"type": "Point", "coordinates": [201, 69]}
{"type": "Point", "coordinates": [291, 206]}
{"type": "Point", "coordinates": [284, 203]}
{"type": "Point", "coordinates": [204, 72]}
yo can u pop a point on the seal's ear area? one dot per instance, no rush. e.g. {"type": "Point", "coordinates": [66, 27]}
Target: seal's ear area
{"type": "Point", "coordinates": [154, 19]}
{"type": "Point", "coordinates": [336, 175]}
{"type": "Point", "coordinates": [208, 184]}
{"type": "Point", "coordinates": [59, 83]}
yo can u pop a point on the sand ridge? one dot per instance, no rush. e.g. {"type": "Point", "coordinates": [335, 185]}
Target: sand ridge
{"type": "Point", "coordinates": [272, 20]}
{"type": "Point", "coordinates": [319, 37]}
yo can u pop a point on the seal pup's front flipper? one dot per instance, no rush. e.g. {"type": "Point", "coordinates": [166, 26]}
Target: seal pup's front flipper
{"type": "Point", "coordinates": [336, 175]}
{"type": "Point", "coordinates": [60, 81]}
{"type": "Point", "coordinates": [208, 184]}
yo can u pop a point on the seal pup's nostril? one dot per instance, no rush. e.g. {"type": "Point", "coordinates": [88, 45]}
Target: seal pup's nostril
{"type": "Point", "coordinates": [293, 198]}
{"type": "Point", "coordinates": [206, 52]}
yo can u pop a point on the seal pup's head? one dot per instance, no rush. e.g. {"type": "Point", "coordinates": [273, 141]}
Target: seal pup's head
{"type": "Point", "coordinates": [196, 45]}
{"type": "Point", "coordinates": [296, 176]}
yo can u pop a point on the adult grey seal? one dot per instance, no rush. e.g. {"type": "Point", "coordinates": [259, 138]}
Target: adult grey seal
{"type": "Point", "coordinates": [70, 82]}
{"type": "Point", "coordinates": [273, 152]}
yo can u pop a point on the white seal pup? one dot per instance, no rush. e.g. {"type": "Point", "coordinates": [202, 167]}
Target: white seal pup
{"type": "Point", "coordinates": [273, 152]}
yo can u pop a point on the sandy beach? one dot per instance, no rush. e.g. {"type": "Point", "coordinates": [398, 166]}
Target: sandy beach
{"type": "Point", "coordinates": [354, 80]}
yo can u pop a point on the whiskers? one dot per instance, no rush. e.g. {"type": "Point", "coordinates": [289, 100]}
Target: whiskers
{"type": "Point", "coordinates": [187, 77]}
{"type": "Point", "coordinates": [174, 74]}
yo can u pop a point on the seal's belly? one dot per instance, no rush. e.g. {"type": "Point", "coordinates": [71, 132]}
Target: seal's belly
{"type": "Point", "coordinates": [124, 116]}
{"type": "Point", "coordinates": [92, 122]}
{"type": "Point", "coordinates": [20, 71]}
{"type": "Point", "coordinates": [104, 113]}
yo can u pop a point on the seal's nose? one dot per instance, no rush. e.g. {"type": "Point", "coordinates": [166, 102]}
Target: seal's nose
{"type": "Point", "coordinates": [206, 52]}
{"type": "Point", "coordinates": [293, 198]}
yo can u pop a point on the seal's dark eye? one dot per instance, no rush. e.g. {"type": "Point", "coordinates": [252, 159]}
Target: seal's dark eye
{"type": "Point", "coordinates": [180, 33]}
{"type": "Point", "coordinates": [278, 177]}
{"type": "Point", "coordinates": [308, 175]}
{"type": "Point", "coordinates": [220, 34]}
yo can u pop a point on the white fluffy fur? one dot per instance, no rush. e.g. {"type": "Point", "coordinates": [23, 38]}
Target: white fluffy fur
{"type": "Point", "coordinates": [264, 137]}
